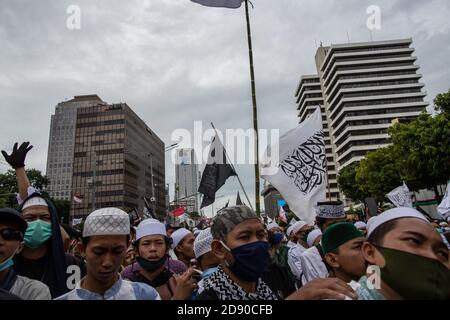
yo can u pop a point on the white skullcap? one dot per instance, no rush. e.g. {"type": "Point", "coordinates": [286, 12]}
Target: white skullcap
{"type": "Point", "coordinates": [202, 243]}
{"type": "Point", "coordinates": [443, 224]}
{"type": "Point", "coordinates": [35, 201]}
{"type": "Point", "coordinates": [289, 230]}
{"type": "Point", "coordinates": [392, 214]}
{"type": "Point", "coordinates": [360, 225]}
{"type": "Point", "coordinates": [312, 236]}
{"type": "Point", "coordinates": [297, 226]}
{"type": "Point", "coordinates": [107, 221]}
{"type": "Point", "coordinates": [150, 227]}
{"type": "Point", "coordinates": [272, 225]}
{"type": "Point", "coordinates": [178, 235]}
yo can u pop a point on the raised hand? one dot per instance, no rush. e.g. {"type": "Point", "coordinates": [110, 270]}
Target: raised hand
{"type": "Point", "coordinates": [17, 157]}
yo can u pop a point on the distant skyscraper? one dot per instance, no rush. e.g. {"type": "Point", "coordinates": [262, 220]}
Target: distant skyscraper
{"type": "Point", "coordinates": [186, 174]}
{"type": "Point", "coordinates": [62, 143]}
{"type": "Point", "coordinates": [364, 88]}
{"type": "Point", "coordinates": [112, 158]}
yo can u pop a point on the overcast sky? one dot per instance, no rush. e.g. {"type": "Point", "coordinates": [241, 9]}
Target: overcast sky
{"type": "Point", "coordinates": [175, 62]}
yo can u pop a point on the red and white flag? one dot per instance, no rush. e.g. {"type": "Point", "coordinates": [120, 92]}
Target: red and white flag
{"type": "Point", "coordinates": [77, 199]}
{"type": "Point", "coordinates": [282, 215]}
{"type": "Point", "coordinates": [178, 212]}
{"type": "Point", "coordinates": [232, 4]}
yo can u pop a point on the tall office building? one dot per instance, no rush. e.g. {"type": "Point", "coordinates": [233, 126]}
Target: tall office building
{"type": "Point", "coordinates": [61, 144]}
{"type": "Point", "coordinates": [187, 180]}
{"type": "Point", "coordinates": [115, 160]}
{"type": "Point", "coordinates": [309, 97]}
{"type": "Point", "coordinates": [365, 87]}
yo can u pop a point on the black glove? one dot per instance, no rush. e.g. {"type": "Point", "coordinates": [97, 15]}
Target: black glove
{"type": "Point", "coordinates": [17, 157]}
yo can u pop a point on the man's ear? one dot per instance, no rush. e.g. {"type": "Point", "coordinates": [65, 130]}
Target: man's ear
{"type": "Point", "coordinates": [81, 249]}
{"type": "Point", "coordinates": [371, 254]}
{"type": "Point", "coordinates": [218, 250]}
{"type": "Point", "coordinates": [20, 248]}
{"type": "Point", "coordinates": [332, 260]}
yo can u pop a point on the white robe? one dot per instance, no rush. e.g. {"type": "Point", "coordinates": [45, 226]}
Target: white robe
{"type": "Point", "coordinates": [294, 260]}
{"type": "Point", "coordinates": [290, 244]}
{"type": "Point", "coordinates": [312, 265]}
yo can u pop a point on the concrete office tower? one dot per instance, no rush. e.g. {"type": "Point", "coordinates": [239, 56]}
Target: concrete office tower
{"type": "Point", "coordinates": [187, 180]}
{"type": "Point", "coordinates": [365, 87]}
{"type": "Point", "coordinates": [62, 142]}
{"type": "Point", "coordinates": [309, 97]}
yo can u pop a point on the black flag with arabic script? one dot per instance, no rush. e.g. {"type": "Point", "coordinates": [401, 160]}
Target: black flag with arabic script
{"type": "Point", "coordinates": [216, 172]}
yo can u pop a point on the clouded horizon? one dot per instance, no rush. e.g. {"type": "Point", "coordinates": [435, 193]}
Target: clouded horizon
{"type": "Point", "coordinates": [175, 62]}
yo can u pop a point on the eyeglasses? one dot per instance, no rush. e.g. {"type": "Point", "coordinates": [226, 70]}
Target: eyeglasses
{"type": "Point", "coordinates": [9, 234]}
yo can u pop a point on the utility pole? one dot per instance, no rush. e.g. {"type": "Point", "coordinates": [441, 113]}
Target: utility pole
{"type": "Point", "coordinates": [94, 177]}
{"type": "Point", "coordinates": [153, 184]}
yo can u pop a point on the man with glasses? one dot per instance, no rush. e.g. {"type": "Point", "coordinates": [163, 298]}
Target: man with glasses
{"type": "Point", "coordinates": [12, 230]}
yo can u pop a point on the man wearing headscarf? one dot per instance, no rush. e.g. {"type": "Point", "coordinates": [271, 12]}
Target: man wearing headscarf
{"type": "Point", "coordinates": [240, 241]}
{"type": "Point", "coordinates": [106, 237]}
{"type": "Point", "coordinates": [43, 257]}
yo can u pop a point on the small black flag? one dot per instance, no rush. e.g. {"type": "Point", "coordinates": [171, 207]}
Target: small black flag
{"type": "Point", "coordinates": [216, 172]}
{"type": "Point", "coordinates": [238, 200]}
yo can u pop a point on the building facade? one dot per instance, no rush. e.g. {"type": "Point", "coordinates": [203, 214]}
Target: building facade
{"type": "Point", "coordinates": [365, 87]}
{"type": "Point", "coordinates": [186, 180]}
{"type": "Point", "coordinates": [115, 160]}
{"type": "Point", "coordinates": [61, 144]}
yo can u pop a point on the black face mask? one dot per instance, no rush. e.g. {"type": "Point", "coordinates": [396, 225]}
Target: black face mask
{"type": "Point", "coordinates": [151, 266]}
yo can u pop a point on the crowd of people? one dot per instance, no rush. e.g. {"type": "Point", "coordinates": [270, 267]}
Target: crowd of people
{"type": "Point", "coordinates": [398, 254]}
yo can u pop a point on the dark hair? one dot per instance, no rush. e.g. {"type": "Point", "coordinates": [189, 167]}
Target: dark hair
{"type": "Point", "coordinates": [377, 236]}
{"type": "Point", "coordinates": [271, 238]}
{"type": "Point", "coordinates": [320, 222]}
{"type": "Point", "coordinates": [85, 240]}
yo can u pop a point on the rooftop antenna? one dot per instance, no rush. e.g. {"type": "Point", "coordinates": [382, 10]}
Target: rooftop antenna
{"type": "Point", "coordinates": [348, 37]}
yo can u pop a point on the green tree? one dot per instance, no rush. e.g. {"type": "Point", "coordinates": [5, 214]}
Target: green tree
{"type": "Point", "coordinates": [8, 185]}
{"type": "Point", "coordinates": [422, 148]}
{"type": "Point", "coordinates": [378, 173]}
{"type": "Point", "coordinates": [62, 208]}
{"type": "Point", "coordinates": [442, 103]}
{"type": "Point", "coordinates": [347, 183]}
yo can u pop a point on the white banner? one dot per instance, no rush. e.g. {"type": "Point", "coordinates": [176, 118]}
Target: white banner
{"type": "Point", "coordinates": [444, 207]}
{"type": "Point", "coordinates": [76, 221]}
{"type": "Point", "coordinates": [400, 196]}
{"type": "Point", "coordinates": [299, 172]}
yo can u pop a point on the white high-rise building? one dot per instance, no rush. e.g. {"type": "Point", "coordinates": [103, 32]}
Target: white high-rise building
{"type": "Point", "coordinates": [187, 180]}
{"type": "Point", "coordinates": [365, 87]}
{"type": "Point", "coordinates": [309, 97]}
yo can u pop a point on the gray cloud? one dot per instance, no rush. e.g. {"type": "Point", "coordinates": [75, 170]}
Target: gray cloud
{"type": "Point", "coordinates": [175, 62]}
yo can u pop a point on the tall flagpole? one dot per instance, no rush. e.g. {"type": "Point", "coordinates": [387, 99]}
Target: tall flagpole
{"type": "Point", "coordinates": [255, 111]}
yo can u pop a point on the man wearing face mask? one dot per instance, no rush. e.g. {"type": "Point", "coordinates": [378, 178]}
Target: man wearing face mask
{"type": "Point", "coordinates": [240, 241]}
{"type": "Point", "coordinates": [151, 247]}
{"type": "Point", "coordinates": [12, 229]}
{"type": "Point", "coordinates": [43, 257]}
{"type": "Point", "coordinates": [279, 251]}
{"type": "Point", "coordinates": [207, 262]}
{"type": "Point", "coordinates": [412, 259]}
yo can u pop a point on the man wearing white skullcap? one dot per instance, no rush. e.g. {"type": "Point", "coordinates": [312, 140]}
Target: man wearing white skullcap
{"type": "Point", "coordinates": [183, 245]}
{"type": "Point", "coordinates": [314, 237]}
{"type": "Point", "coordinates": [361, 226]}
{"type": "Point", "coordinates": [291, 237]}
{"type": "Point", "coordinates": [152, 247]}
{"type": "Point", "coordinates": [106, 236]}
{"type": "Point", "coordinates": [300, 229]}
{"type": "Point", "coordinates": [313, 259]}
{"type": "Point", "coordinates": [412, 259]}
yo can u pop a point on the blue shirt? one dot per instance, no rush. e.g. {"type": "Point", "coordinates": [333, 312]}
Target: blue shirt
{"type": "Point", "coordinates": [121, 290]}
